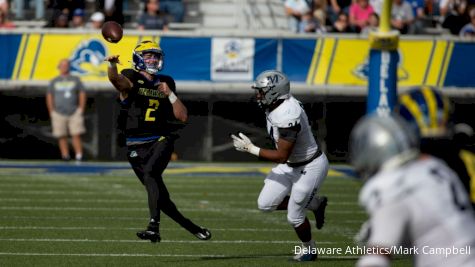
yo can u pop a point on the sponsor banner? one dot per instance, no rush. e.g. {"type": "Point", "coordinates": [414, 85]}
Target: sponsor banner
{"type": "Point", "coordinates": [232, 59]}
{"type": "Point", "coordinates": [331, 60]}
{"type": "Point", "coordinates": [39, 55]}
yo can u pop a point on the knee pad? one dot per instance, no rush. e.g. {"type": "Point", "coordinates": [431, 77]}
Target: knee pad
{"type": "Point", "coordinates": [295, 221]}
{"type": "Point", "coordinates": [265, 206]}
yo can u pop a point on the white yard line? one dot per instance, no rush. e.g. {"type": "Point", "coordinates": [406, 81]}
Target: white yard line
{"type": "Point", "coordinates": [163, 255]}
{"type": "Point", "coordinates": [163, 241]}
{"type": "Point", "coordinates": [102, 228]}
{"type": "Point", "coordinates": [207, 209]}
{"type": "Point", "coordinates": [141, 200]}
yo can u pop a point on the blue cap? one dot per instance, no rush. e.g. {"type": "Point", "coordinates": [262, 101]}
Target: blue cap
{"type": "Point", "coordinates": [78, 12]}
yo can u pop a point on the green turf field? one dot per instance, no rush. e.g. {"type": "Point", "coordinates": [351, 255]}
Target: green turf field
{"type": "Point", "coordinates": [68, 219]}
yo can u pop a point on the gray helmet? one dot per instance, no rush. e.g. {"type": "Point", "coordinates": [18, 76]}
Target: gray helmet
{"type": "Point", "coordinates": [377, 142]}
{"type": "Point", "coordinates": [273, 85]}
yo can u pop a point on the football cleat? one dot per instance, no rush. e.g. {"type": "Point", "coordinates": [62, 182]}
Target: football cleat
{"type": "Point", "coordinates": [307, 252]}
{"type": "Point", "coordinates": [151, 234]}
{"type": "Point", "coordinates": [203, 234]}
{"type": "Point", "coordinates": [320, 213]}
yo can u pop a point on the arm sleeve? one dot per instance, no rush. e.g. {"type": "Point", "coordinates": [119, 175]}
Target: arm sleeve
{"type": "Point", "coordinates": [290, 134]}
{"type": "Point", "coordinates": [80, 84]}
{"type": "Point", "coordinates": [389, 225]}
{"type": "Point", "coordinates": [129, 73]}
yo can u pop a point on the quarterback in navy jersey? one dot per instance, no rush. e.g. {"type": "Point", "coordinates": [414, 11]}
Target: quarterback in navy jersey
{"type": "Point", "coordinates": [148, 106]}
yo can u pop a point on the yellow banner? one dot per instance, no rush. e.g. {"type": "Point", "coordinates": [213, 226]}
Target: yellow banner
{"type": "Point", "coordinates": [345, 62]}
{"type": "Point", "coordinates": [39, 55]}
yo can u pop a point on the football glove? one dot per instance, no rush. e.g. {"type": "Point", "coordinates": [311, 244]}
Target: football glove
{"type": "Point", "coordinates": [244, 144]}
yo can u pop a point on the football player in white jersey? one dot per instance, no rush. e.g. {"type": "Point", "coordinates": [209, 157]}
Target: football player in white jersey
{"type": "Point", "coordinates": [416, 203]}
{"type": "Point", "coordinates": [292, 185]}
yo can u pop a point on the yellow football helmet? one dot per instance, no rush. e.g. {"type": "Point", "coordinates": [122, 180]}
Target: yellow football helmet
{"type": "Point", "coordinates": [138, 61]}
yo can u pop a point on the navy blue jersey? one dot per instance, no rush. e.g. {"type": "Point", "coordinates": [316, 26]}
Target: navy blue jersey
{"type": "Point", "coordinates": [146, 112]}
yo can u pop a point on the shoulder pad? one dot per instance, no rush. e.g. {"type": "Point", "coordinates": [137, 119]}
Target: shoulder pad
{"type": "Point", "coordinates": [286, 115]}
{"type": "Point", "coordinates": [169, 80]}
{"type": "Point", "coordinates": [129, 73]}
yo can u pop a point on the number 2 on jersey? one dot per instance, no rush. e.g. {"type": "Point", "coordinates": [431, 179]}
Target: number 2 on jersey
{"type": "Point", "coordinates": [153, 105]}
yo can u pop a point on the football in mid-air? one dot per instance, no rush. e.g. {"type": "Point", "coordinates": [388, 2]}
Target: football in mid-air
{"type": "Point", "coordinates": [112, 31]}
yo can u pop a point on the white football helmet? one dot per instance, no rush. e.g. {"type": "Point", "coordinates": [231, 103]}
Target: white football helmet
{"type": "Point", "coordinates": [381, 142]}
{"type": "Point", "coordinates": [272, 85]}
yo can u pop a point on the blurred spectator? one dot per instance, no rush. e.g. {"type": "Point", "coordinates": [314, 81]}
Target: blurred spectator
{"type": "Point", "coordinates": [447, 7]}
{"type": "Point", "coordinates": [336, 7]}
{"type": "Point", "coordinates": [418, 9]}
{"type": "Point", "coordinates": [342, 24]}
{"type": "Point", "coordinates": [112, 9]}
{"type": "Point", "coordinates": [373, 24]}
{"type": "Point", "coordinates": [152, 18]}
{"type": "Point", "coordinates": [64, 7]}
{"type": "Point", "coordinates": [61, 21]}
{"type": "Point", "coordinates": [22, 5]}
{"type": "Point", "coordinates": [175, 8]}
{"type": "Point", "coordinates": [468, 31]}
{"type": "Point", "coordinates": [4, 6]}
{"type": "Point", "coordinates": [4, 22]}
{"type": "Point", "coordinates": [401, 16]}
{"type": "Point", "coordinates": [78, 19]}
{"type": "Point", "coordinates": [295, 9]}
{"type": "Point", "coordinates": [310, 24]}
{"type": "Point", "coordinates": [378, 6]}
{"type": "Point", "coordinates": [360, 12]}
{"type": "Point", "coordinates": [455, 12]}
{"type": "Point", "coordinates": [319, 11]}
{"type": "Point", "coordinates": [97, 19]}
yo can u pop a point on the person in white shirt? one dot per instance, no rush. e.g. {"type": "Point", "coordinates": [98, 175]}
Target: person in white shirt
{"type": "Point", "coordinates": [293, 184]}
{"type": "Point", "coordinates": [414, 200]}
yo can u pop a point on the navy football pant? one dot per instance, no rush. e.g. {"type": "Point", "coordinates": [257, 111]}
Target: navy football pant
{"type": "Point", "coordinates": [148, 162]}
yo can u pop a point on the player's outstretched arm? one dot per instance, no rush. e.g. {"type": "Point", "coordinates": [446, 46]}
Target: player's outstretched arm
{"type": "Point", "coordinates": [120, 82]}
{"type": "Point", "coordinates": [280, 155]}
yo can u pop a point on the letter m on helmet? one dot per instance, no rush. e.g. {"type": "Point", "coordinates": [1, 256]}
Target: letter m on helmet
{"type": "Point", "coordinates": [273, 80]}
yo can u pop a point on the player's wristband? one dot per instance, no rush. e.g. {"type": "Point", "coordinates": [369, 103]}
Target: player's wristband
{"type": "Point", "coordinates": [172, 97]}
{"type": "Point", "coordinates": [112, 64]}
{"type": "Point", "coordinates": [254, 150]}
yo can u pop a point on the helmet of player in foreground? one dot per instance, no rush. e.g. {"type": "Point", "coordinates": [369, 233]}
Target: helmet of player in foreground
{"type": "Point", "coordinates": [381, 142]}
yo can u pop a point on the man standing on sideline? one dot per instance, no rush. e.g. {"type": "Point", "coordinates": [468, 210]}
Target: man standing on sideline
{"type": "Point", "coordinates": [291, 185]}
{"type": "Point", "coordinates": [66, 102]}
{"type": "Point", "coordinates": [148, 105]}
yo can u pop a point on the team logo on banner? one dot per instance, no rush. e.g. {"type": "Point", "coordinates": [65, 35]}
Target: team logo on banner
{"type": "Point", "coordinates": [232, 59]}
{"type": "Point", "coordinates": [88, 59]}
{"type": "Point", "coordinates": [362, 70]}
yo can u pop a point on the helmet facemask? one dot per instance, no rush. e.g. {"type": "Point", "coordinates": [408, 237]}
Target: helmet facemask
{"type": "Point", "coordinates": [270, 87]}
{"type": "Point", "coordinates": [148, 57]}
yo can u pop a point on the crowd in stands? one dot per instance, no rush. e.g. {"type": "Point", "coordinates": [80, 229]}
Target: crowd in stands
{"type": "Point", "coordinates": [362, 16]}
{"type": "Point", "coordinates": [305, 16]}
